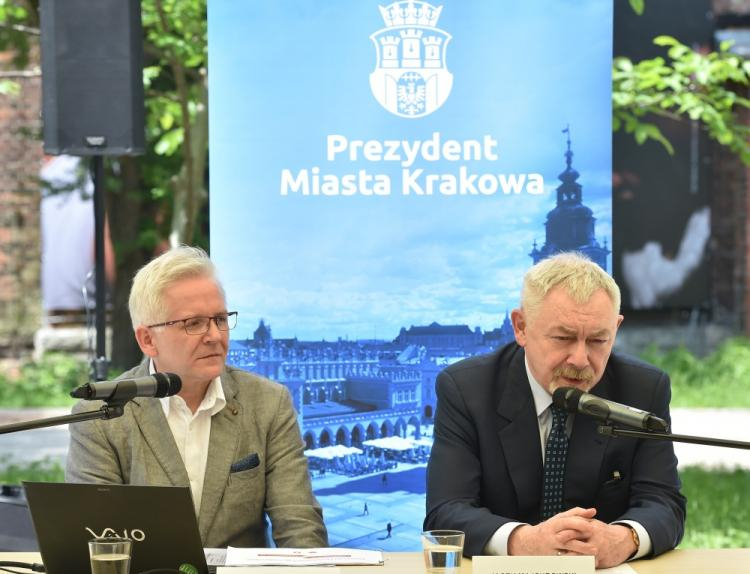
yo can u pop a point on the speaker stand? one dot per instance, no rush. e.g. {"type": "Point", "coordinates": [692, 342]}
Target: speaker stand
{"type": "Point", "coordinates": [99, 364]}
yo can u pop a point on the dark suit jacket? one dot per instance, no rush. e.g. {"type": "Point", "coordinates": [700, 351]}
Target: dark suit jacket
{"type": "Point", "coordinates": [486, 463]}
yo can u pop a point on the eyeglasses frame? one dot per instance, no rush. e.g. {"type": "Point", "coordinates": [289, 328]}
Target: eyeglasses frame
{"type": "Point", "coordinates": [208, 325]}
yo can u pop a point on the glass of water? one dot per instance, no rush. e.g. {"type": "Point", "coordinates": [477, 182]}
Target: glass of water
{"type": "Point", "coordinates": [442, 550]}
{"type": "Point", "coordinates": [110, 555]}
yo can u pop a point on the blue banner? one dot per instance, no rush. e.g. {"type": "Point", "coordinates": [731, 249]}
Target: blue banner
{"type": "Point", "coordinates": [381, 177]}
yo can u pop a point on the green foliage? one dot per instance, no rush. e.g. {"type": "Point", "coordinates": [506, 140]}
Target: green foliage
{"type": "Point", "coordinates": [638, 6]}
{"type": "Point", "coordinates": [9, 88]}
{"type": "Point", "coordinates": [717, 511]}
{"type": "Point", "coordinates": [44, 470]}
{"type": "Point", "coordinates": [176, 48]}
{"type": "Point", "coordinates": [44, 383]}
{"type": "Point", "coordinates": [16, 17]}
{"type": "Point", "coordinates": [684, 84]}
{"type": "Point", "coordinates": [721, 379]}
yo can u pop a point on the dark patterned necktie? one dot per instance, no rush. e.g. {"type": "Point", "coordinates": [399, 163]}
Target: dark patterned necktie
{"type": "Point", "coordinates": [554, 465]}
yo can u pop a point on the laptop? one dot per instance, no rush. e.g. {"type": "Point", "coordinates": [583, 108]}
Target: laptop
{"type": "Point", "coordinates": [159, 519]}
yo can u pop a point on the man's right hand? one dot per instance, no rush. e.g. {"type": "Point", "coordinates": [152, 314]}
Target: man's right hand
{"type": "Point", "coordinates": [565, 533]}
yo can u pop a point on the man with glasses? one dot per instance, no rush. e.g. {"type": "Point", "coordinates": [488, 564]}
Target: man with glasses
{"type": "Point", "coordinates": [229, 435]}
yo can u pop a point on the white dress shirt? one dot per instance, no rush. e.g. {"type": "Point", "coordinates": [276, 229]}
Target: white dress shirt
{"type": "Point", "coordinates": [192, 431]}
{"type": "Point", "coordinates": [498, 544]}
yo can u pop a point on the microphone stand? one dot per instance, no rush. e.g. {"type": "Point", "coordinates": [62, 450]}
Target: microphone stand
{"type": "Point", "coordinates": [110, 410]}
{"type": "Point", "coordinates": [609, 430]}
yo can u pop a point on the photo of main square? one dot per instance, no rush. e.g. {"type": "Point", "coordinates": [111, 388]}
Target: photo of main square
{"type": "Point", "coordinates": [381, 511]}
{"type": "Point", "coordinates": [366, 411]}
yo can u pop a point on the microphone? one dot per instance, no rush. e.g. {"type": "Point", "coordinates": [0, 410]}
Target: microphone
{"type": "Point", "coordinates": [576, 401]}
{"type": "Point", "coordinates": [157, 385]}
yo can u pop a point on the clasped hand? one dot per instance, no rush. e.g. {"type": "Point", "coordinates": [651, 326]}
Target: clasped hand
{"type": "Point", "coordinates": [574, 532]}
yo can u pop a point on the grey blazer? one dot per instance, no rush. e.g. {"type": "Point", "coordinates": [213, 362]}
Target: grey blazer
{"type": "Point", "coordinates": [255, 466]}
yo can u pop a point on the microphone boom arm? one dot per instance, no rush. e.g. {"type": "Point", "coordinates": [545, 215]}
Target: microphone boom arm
{"type": "Point", "coordinates": [107, 411]}
{"type": "Point", "coordinates": [609, 430]}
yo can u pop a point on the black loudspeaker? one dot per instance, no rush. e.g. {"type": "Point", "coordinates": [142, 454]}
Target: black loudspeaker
{"type": "Point", "coordinates": [92, 77]}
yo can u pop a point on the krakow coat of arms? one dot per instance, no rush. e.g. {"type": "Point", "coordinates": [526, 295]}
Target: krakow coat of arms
{"type": "Point", "coordinates": [410, 78]}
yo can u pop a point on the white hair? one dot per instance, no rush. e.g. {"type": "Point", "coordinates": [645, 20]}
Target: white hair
{"type": "Point", "coordinates": [145, 302]}
{"type": "Point", "coordinates": [574, 272]}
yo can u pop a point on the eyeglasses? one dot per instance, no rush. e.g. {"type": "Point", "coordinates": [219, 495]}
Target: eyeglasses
{"type": "Point", "coordinates": [200, 325]}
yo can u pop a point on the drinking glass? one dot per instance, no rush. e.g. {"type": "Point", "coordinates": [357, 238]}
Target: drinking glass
{"type": "Point", "coordinates": [442, 550]}
{"type": "Point", "coordinates": [110, 555]}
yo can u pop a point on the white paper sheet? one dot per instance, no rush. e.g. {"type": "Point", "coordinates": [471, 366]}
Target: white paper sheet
{"type": "Point", "coordinates": [277, 570]}
{"type": "Point", "coordinates": [302, 557]}
{"type": "Point", "coordinates": [621, 569]}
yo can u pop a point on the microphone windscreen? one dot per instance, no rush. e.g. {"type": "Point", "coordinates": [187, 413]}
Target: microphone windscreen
{"type": "Point", "coordinates": [167, 384]}
{"type": "Point", "coordinates": [567, 398]}
{"type": "Point", "coordinates": [175, 384]}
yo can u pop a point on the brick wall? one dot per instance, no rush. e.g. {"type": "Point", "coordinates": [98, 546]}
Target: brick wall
{"type": "Point", "coordinates": [729, 241]}
{"type": "Point", "coordinates": [20, 159]}
{"type": "Point", "coordinates": [730, 211]}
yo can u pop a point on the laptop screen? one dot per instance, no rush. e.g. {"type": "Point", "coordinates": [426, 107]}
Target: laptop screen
{"type": "Point", "coordinates": [160, 520]}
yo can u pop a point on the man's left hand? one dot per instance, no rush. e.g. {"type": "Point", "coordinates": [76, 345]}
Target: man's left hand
{"type": "Point", "coordinates": [614, 543]}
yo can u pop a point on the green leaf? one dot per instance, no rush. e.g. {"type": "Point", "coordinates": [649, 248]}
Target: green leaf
{"type": "Point", "coordinates": [725, 138]}
{"type": "Point", "coordinates": [665, 41]}
{"type": "Point", "coordinates": [166, 121]}
{"type": "Point", "coordinates": [725, 45]}
{"type": "Point", "coordinates": [645, 131]}
{"type": "Point", "coordinates": [624, 64]}
{"type": "Point", "coordinates": [169, 142]}
{"type": "Point", "coordinates": [9, 88]}
{"type": "Point", "coordinates": [678, 51]}
{"type": "Point", "coordinates": [150, 73]}
{"type": "Point", "coordinates": [637, 6]}
{"type": "Point", "coordinates": [695, 112]}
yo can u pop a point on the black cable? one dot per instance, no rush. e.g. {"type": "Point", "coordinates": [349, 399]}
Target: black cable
{"type": "Point", "coordinates": [33, 566]}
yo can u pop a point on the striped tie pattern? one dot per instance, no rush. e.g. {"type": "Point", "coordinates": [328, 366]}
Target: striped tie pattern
{"type": "Point", "coordinates": [554, 465]}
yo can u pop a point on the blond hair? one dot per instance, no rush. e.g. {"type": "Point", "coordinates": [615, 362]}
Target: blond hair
{"type": "Point", "coordinates": [574, 272]}
{"type": "Point", "coordinates": [149, 284]}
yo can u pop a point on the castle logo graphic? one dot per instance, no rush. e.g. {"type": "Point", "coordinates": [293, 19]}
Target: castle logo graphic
{"type": "Point", "coordinates": [410, 78]}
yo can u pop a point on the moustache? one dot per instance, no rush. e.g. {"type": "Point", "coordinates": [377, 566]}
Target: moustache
{"type": "Point", "coordinates": [585, 374]}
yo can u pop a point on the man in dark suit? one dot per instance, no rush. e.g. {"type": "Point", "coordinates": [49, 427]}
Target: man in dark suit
{"type": "Point", "coordinates": [495, 427]}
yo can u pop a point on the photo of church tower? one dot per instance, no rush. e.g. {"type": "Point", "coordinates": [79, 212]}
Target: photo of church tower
{"type": "Point", "coordinates": [571, 226]}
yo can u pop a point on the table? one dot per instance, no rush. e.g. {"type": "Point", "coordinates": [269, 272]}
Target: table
{"type": "Point", "coordinates": [725, 561]}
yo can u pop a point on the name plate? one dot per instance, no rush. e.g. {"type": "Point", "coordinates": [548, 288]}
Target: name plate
{"type": "Point", "coordinates": [533, 565]}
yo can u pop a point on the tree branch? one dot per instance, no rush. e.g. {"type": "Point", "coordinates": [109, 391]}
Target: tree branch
{"type": "Point", "coordinates": [178, 70]}
{"type": "Point", "coordinates": [14, 74]}
{"type": "Point", "coordinates": [21, 28]}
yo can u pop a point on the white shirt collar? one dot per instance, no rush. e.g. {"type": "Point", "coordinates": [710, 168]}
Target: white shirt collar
{"type": "Point", "coordinates": [214, 400]}
{"type": "Point", "coordinates": [542, 399]}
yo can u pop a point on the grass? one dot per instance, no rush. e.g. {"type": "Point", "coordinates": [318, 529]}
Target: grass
{"type": "Point", "coordinates": [44, 383]}
{"type": "Point", "coordinates": [44, 470]}
{"type": "Point", "coordinates": [721, 379]}
{"type": "Point", "coordinates": [718, 510]}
